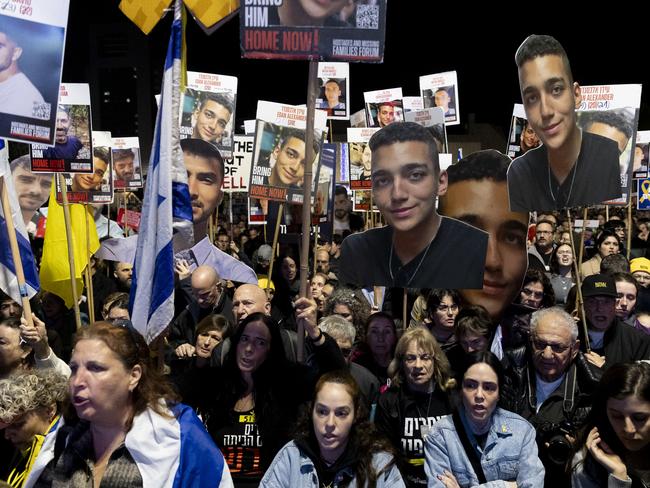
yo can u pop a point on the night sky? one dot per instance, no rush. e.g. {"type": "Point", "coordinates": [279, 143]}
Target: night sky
{"type": "Point", "coordinates": [431, 38]}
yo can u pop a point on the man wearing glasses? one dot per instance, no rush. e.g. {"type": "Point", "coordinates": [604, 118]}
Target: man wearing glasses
{"type": "Point", "coordinates": [610, 339]}
{"type": "Point", "coordinates": [544, 245]}
{"type": "Point", "coordinates": [553, 390]}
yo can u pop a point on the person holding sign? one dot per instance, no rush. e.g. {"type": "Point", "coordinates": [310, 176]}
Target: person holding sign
{"type": "Point", "coordinates": [572, 168]}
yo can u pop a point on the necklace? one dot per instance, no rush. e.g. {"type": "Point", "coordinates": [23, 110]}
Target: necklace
{"type": "Point", "coordinates": [424, 428]}
{"type": "Point", "coordinates": [390, 261]}
{"type": "Point", "coordinates": [573, 179]}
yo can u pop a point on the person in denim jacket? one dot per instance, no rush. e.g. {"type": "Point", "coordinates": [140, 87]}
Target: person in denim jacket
{"type": "Point", "coordinates": [503, 442]}
{"type": "Point", "coordinates": [335, 445]}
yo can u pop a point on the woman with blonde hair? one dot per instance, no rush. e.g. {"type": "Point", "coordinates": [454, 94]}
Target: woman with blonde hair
{"type": "Point", "coordinates": [417, 398]}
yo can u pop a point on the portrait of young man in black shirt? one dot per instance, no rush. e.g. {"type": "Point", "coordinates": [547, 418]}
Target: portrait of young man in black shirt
{"type": "Point", "coordinates": [418, 248]}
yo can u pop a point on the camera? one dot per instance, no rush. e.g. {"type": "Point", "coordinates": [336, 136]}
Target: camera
{"type": "Point", "coordinates": [558, 448]}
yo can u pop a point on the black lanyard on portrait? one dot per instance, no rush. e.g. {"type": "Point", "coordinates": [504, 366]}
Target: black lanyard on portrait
{"type": "Point", "coordinates": [469, 449]}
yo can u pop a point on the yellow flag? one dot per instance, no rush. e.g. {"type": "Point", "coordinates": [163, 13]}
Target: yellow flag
{"type": "Point", "coordinates": [209, 12]}
{"type": "Point", "coordinates": [55, 269]}
{"type": "Point", "coordinates": [144, 13]}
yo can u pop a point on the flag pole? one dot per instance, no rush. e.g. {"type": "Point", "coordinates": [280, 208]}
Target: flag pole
{"type": "Point", "coordinates": [15, 252]}
{"type": "Point", "coordinates": [68, 236]}
{"type": "Point", "coordinates": [87, 272]}
{"type": "Point", "coordinates": [312, 90]}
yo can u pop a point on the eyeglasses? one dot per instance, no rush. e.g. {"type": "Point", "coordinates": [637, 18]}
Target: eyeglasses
{"type": "Point", "coordinates": [536, 294]}
{"type": "Point", "coordinates": [556, 348]}
{"type": "Point", "coordinates": [411, 358]}
{"type": "Point", "coordinates": [544, 232]}
{"type": "Point", "coordinates": [448, 308]}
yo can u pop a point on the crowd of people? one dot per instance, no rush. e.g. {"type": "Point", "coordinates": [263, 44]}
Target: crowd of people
{"type": "Point", "coordinates": [398, 387]}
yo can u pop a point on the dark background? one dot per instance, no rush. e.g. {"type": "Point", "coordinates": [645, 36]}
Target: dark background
{"type": "Point", "coordinates": [123, 66]}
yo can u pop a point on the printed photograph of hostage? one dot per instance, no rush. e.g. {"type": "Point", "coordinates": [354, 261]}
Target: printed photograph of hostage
{"type": "Point", "coordinates": [126, 168]}
{"type": "Point", "coordinates": [333, 97]}
{"type": "Point", "coordinates": [279, 161]}
{"type": "Point", "coordinates": [95, 187]}
{"type": "Point", "coordinates": [418, 248]}
{"type": "Point", "coordinates": [32, 189]}
{"type": "Point", "coordinates": [572, 167]}
{"type": "Point", "coordinates": [207, 116]}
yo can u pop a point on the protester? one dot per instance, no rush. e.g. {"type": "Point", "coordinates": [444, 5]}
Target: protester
{"type": "Point", "coordinates": [335, 444]}
{"type": "Point", "coordinates": [417, 398]}
{"type": "Point", "coordinates": [615, 444]}
{"type": "Point", "coordinates": [131, 429]}
{"type": "Point", "coordinates": [481, 443]}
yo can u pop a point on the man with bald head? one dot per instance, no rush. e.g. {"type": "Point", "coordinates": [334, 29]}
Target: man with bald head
{"type": "Point", "coordinates": [249, 299]}
{"type": "Point", "coordinates": [208, 298]}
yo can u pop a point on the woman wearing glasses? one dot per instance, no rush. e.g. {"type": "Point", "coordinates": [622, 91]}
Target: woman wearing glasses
{"type": "Point", "coordinates": [416, 399]}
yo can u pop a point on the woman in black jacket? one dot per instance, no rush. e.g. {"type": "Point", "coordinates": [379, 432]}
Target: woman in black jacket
{"type": "Point", "coordinates": [250, 403]}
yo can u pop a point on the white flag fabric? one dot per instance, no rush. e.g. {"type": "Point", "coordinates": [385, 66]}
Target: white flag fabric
{"type": "Point", "coordinates": [166, 206]}
{"type": "Point", "coordinates": [8, 278]}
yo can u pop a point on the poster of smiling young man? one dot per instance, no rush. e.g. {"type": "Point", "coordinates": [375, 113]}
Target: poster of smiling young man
{"type": "Point", "coordinates": [360, 157]}
{"type": "Point", "coordinates": [279, 151]}
{"type": "Point", "coordinates": [334, 30]}
{"type": "Point", "coordinates": [32, 41]}
{"type": "Point", "coordinates": [72, 151]}
{"type": "Point", "coordinates": [334, 95]}
{"type": "Point", "coordinates": [208, 109]}
{"type": "Point", "coordinates": [383, 107]}
{"type": "Point", "coordinates": [127, 171]}
{"type": "Point", "coordinates": [441, 90]}
{"type": "Point", "coordinates": [95, 187]}
{"type": "Point", "coordinates": [612, 111]}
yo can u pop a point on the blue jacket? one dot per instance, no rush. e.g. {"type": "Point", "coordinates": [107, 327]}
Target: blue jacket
{"type": "Point", "coordinates": [292, 468]}
{"type": "Point", "coordinates": [510, 453]}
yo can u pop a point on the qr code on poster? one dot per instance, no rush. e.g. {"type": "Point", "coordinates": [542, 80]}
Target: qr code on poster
{"type": "Point", "coordinates": [367, 16]}
{"type": "Point", "coordinates": [41, 110]}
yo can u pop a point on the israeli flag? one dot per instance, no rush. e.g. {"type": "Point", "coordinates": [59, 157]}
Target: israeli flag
{"type": "Point", "coordinates": [166, 206]}
{"type": "Point", "coordinates": [171, 452]}
{"type": "Point", "coordinates": [8, 278]}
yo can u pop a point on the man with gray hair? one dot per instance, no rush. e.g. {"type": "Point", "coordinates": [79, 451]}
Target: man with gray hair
{"type": "Point", "coordinates": [344, 333]}
{"type": "Point", "coordinates": [553, 388]}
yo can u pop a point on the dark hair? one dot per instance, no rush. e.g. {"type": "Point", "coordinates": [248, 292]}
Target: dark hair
{"type": "Point", "coordinates": [364, 437]}
{"type": "Point", "coordinates": [620, 381]}
{"type": "Point", "coordinates": [473, 319]}
{"type": "Point", "coordinates": [613, 118]}
{"type": "Point", "coordinates": [102, 153]}
{"type": "Point", "coordinates": [131, 349]}
{"type": "Point", "coordinates": [546, 221]}
{"type": "Point", "coordinates": [265, 375]}
{"type": "Point", "coordinates": [333, 80]}
{"type": "Point", "coordinates": [480, 165]}
{"type": "Point", "coordinates": [536, 45]}
{"type": "Point", "coordinates": [478, 357]}
{"type": "Point", "coordinates": [121, 302]}
{"type": "Point", "coordinates": [625, 278]}
{"type": "Point", "coordinates": [435, 299]}
{"type": "Point", "coordinates": [203, 149]}
{"type": "Point", "coordinates": [535, 276]}
{"type": "Point", "coordinates": [120, 154]}
{"type": "Point", "coordinates": [604, 235]}
{"type": "Point", "coordinates": [615, 263]}
{"type": "Point", "coordinates": [554, 264]}
{"type": "Point", "coordinates": [214, 322]}
{"type": "Point", "coordinates": [288, 133]}
{"type": "Point", "coordinates": [14, 323]}
{"type": "Point", "coordinates": [405, 132]}
{"type": "Point", "coordinates": [220, 98]}
{"type": "Point", "coordinates": [340, 190]}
